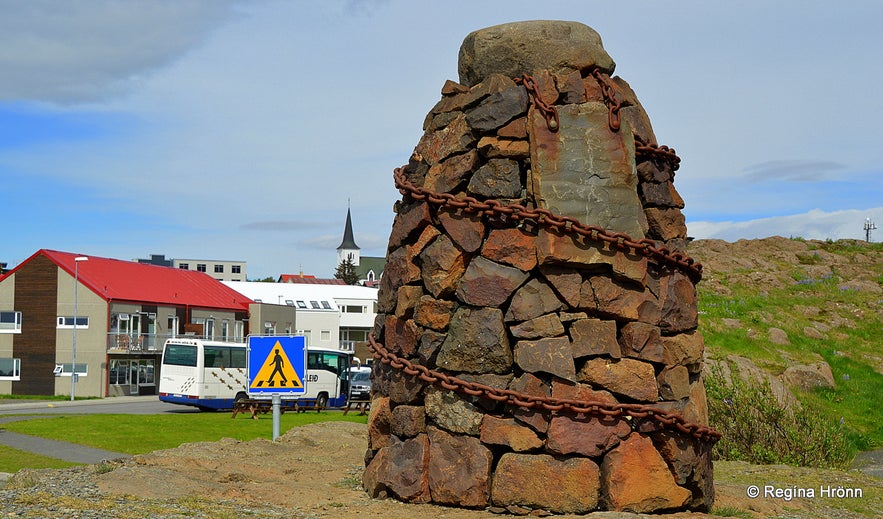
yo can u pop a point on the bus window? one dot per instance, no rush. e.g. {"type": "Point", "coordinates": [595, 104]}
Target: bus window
{"type": "Point", "coordinates": [216, 357]}
{"type": "Point", "coordinates": [180, 355]}
{"type": "Point", "coordinates": [238, 357]}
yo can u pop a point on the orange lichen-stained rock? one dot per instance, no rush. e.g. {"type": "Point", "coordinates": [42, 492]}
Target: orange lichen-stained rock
{"type": "Point", "coordinates": [635, 478]}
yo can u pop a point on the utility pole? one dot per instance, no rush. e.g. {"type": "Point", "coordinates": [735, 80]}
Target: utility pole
{"type": "Point", "coordinates": [869, 226]}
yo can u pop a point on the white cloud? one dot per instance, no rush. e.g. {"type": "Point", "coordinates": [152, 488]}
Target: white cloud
{"type": "Point", "coordinates": [812, 225]}
{"type": "Point", "coordinates": [65, 52]}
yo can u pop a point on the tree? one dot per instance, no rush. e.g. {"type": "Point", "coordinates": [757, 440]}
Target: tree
{"type": "Point", "coordinates": [346, 271]}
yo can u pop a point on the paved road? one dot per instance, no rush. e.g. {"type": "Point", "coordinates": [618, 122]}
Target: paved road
{"type": "Point", "coordinates": [113, 405]}
{"type": "Point", "coordinates": [15, 410]}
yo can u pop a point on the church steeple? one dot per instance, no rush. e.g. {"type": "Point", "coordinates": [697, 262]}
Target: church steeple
{"type": "Point", "coordinates": [348, 248]}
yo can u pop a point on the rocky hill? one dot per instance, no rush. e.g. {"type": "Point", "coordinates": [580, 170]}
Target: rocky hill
{"type": "Point", "coordinates": [808, 314]}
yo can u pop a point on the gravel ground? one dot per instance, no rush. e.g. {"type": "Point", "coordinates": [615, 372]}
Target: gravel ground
{"type": "Point", "coordinates": [315, 472]}
{"type": "Point", "coordinates": [73, 494]}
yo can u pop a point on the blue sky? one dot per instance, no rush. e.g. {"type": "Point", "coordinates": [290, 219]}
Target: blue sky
{"type": "Point", "coordinates": [236, 130]}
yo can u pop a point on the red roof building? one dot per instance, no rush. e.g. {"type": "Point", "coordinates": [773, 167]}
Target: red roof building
{"type": "Point", "coordinates": [115, 314]}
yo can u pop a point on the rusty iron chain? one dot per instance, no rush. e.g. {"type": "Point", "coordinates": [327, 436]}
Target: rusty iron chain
{"type": "Point", "coordinates": [550, 112]}
{"type": "Point", "coordinates": [657, 152]}
{"type": "Point", "coordinates": [527, 401]}
{"type": "Point", "coordinates": [610, 99]}
{"type": "Point", "coordinates": [563, 224]}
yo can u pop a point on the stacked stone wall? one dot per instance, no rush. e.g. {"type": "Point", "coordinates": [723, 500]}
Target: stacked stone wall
{"type": "Point", "coordinates": [515, 304]}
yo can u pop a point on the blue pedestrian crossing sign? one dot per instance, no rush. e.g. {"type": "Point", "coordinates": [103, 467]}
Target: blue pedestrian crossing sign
{"type": "Point", "coordinates": [276, 365]}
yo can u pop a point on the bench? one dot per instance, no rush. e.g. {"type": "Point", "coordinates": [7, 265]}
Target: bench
{"type": "Point", "coordinates": [357, 405]}
{"type": "Point", "coordinates": [254, 407]}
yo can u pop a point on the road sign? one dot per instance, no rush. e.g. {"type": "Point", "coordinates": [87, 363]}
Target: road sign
{"type": "Point", "coordinates": [276, 365]}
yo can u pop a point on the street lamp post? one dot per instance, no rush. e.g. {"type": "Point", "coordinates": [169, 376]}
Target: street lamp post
{"type": "Point", "coordinates": [77, 261]}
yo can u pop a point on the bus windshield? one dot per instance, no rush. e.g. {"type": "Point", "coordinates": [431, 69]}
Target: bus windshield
{"type": "Point", "coordinates": [333, 362]}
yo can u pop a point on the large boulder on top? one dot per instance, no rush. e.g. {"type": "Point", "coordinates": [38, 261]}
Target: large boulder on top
{"type": "Point", "coordinates": [517, 48]}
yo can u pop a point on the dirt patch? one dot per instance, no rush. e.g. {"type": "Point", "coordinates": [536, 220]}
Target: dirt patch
{"type": "Point", "coordinates": [316, 470]}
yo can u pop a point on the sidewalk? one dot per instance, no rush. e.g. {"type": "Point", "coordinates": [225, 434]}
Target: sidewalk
{"type": "Point", "coordinates": [8, 405]}
{"type": "Point", "coordinates": [66, 451]}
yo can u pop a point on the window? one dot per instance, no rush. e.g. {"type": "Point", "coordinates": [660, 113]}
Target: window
{"type": "Point", "coordinates": [326, 305]}
{"type": "Point", "coordinates": [289, 302]}
{"type": "Point", "coordinates": [119, 373]}
{"type": "Point", "coordinates": [64, 370]}
{"type": "Point", "coordinates": [200, 267]}
{"type": "Point", "coordinates": [269, 328]}
{"type": "Point", "coordinates": [301, 304]}
{"type": "Point", "coordinates": [325, 335]}
{"type": "Point", "coordinates": [315, 304]}
{"type": "Point", "coordinates": [219, 269]}
{"type": "Point", "coordinates": [185, 266]}
{"type": "Point", "coordinates": [236, 269]}
{"type": "Point", "coordinates": [180, 355]}
{"type": "Point", "coordinates": [146, 372]}
{"type": "Point", "coordinates": [10, 322]}
{"type": "Point", "coordinates": [225, 330]}
{"type": "Point", "coordinates": [224, 357]}
{"type": "Point", "coordinates": [10, 369]}
{"type": "Point", "coordinates": [68, 322]}
{"type": "Point", "coordinates": [352, 309]}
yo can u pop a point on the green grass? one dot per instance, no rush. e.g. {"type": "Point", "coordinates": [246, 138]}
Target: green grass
{"type": "Point", "coordinates": [13, 460]}
{"type": "Point", "coordinates": [138, 434]}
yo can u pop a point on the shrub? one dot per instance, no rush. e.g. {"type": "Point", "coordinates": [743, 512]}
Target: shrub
{"type": "Point", "coordinates": [756, 428]}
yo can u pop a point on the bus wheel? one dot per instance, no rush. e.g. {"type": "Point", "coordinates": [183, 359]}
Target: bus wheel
{"type": "Point", "coordinates": [240, 397]}
{"type": "Point", "coordinates": [322, 401]}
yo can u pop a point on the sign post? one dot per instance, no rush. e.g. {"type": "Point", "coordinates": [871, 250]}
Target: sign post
{"type": "Point", "coordinates": [277, 367]}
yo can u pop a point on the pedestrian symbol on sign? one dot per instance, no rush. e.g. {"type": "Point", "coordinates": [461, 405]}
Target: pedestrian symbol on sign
{"type": "Point", "coordinates": [277, 372]}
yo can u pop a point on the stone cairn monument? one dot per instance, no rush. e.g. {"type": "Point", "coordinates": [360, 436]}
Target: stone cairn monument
{"type": "Point", "coordinates": [536, 345]}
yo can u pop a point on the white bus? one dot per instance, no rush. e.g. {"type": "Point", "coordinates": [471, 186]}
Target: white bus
{"type": "Point", "coordinates": [212, 375]}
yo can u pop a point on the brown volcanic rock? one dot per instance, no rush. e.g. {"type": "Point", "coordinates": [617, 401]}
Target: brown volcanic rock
{"type": "Point", "coordinates": [547, 355]}
{"type": "Point", "coordinates": [509, 433]}
{"type": "Point", "coordinates": [628, 377]}
{"type": "Point", "coordinates": [513, 49]}
{"type": "Point", "coordinates": [459, 469]}
{"type": "Point", "coordinates": [512, 247]}
{"type": "Point", "coordinates": [476, 342]}
{"type": "Point", "coordinates": [486, 283]}
{"type": "Point", "coordinates": [564, 486]}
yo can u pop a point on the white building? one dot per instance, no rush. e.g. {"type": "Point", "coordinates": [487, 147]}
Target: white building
{"type": "Point", "coordinates": [329, 316]}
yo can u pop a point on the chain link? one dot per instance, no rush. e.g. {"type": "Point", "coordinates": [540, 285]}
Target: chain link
{"type": "Point", "coordinates": [562, 224]}
{"type": "Point", "coordinates": [550, 112]}
{"type": "Point", "coordinates": [658, 152]}
{"type": "Point", "coordinates": [527, 401]}
{"type": "Point", "coordinates": [609, 93]}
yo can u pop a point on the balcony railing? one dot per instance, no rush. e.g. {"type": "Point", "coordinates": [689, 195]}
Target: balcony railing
{"type": "Point", "coordinates": [149, 342]}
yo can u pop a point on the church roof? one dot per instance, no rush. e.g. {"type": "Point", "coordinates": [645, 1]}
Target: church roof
{"type": "Point", "coordinates": [348, 241]}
